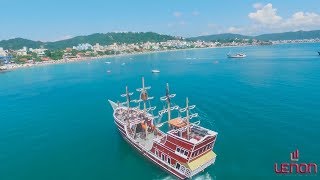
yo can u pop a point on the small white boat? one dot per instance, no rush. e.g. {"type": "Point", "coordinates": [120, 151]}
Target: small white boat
{"type": "Point", "coordinates": [123, 64]}
{"type": "Point", "coordinates": [108, 71]}
{"type": "Point", "coordinates": [238, 55]}
{"type": "Point", "coordinates": [155, 71]}
{"type": "Point", "coordinates": [108, 62]}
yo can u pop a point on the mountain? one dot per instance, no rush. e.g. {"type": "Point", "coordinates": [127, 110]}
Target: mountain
{"type": "Point", "coordinates": [18, 43]}
{"type": "Point", "coordinates": [216, 37]}
{"type": "Point", "coordinates": [290, 35]}
{"type": "Point", "coordinates": [110, 38]}
{"type": "Point", "coordinates": [141, 37]}
{"type": "Point", "coordinates": [265, 37]}
{"type": "Point", "coordinates": [102, 39]}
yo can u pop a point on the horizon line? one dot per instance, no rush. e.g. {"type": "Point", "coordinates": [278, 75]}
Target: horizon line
{"type": "Point", "coordinates": [156, 33]}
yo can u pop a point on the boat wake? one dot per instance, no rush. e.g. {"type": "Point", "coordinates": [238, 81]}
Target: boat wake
{"type": "Point", "coordinates": [205, 176]}
{"type": "Point", "coordinates": [166, 178]}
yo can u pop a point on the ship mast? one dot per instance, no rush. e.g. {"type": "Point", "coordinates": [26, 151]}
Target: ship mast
{"type": "Point", "coordinates": [168, 102]}
{"type": "Point", "coordinates": [188, 120]}
{"type": "Point", "coordinates": [144, 96]}
{"type": "Point", "coordinates": [188, 116]}
{"type": "Point", "coordinates": [128, 97]}
{"type": "Point", "coordinates": [168, 109]}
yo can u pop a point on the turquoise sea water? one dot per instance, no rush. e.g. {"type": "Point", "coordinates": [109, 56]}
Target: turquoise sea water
{"type": "Point", "coordinates": [55, 122]}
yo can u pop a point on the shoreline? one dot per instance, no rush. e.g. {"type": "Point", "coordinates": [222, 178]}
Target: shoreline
{"type": "Point", "coordinates": [9, 67]}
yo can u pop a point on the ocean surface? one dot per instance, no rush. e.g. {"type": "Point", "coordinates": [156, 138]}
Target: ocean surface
{"type": "Point", "coordinates": [55, 122]}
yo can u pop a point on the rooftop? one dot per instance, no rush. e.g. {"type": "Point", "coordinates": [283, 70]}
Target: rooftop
{"type": "Point", "coordinates": [196, 134]}
{"type": "Point", "coordinates": [177, 122]}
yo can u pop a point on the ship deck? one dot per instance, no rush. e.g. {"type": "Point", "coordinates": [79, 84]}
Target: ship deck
{"type": "Point", "coordinates": [146, 142]}
{"type": "Point", "coordinates": [133, 116]}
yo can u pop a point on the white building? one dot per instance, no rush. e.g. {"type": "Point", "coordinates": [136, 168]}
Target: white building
{"type": "Point", "coordinates": [39, 52]}
{"type": "Point", "coordinates": [2, 52]}
{"type": "Point", "coordinates": [83, 47]}
{"type": "Point", "coordinates": [97, 47]}
{"type": "Point", "coordinates": [22, 52]}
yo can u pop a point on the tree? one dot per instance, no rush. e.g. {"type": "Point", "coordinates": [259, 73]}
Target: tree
{"type": "Point", "coordinates": [55, 55]}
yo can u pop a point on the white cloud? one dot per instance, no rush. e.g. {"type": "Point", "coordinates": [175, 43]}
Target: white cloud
{"type": "Point", "coordinates": [182, 23]}
{"type": "Point", "coordinates": [205, 33]}
{"type": "Point", "coordinates": [234, 30]}
{"type": "Point", "coordinates": [266, 15]}
{"type": "Point", "coordinates": [266, 19]}
{"type": "Point", "coordinates": [64, 38]}
{"type": "Point", "coordinates": [303, 20]}
{"type": "Point", "coordinates": [177, 24]}
{"type": "Point", "coordinates": [177, 14]}
{"type": "Point", "coordinates": [212, 25]}
{"type": "Point", "coordinates": [195, 13]}
{"type": "Point", "coordinates": [257, 5]}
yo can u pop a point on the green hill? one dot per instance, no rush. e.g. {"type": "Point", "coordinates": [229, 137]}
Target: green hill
{"type": "Point", "coordinates": [264, 37]}
{"type": "Point", "coordinates": [140, 37]}
{"type": "Point", "coordinates": [102, 39]}
{"type": "Point", "coordinates": [18, 43]}
{"type": "Point", "coordinates": [110, 38]}
{"type": "Point", "coordinates": [219, 37]}
{"type": "Point", "coordinates": [290, 35]}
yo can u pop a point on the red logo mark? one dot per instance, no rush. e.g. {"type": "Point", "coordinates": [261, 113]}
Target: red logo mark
{"type": "Point", "coordinates": [294, 167]}
{"type": "Point", "coordinates": [295, 155]}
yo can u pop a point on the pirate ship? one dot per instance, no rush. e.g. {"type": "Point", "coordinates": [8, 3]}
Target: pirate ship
{"type": "Point", "coordinates": [184, 150]}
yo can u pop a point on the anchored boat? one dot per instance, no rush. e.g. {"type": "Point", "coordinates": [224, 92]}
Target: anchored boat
{"type": "Point", "coordinates": [155, 71]}
{"type": "Point", "coordinates": [238, 55]}
{"type": "Point", "coordinates": [184, 150]}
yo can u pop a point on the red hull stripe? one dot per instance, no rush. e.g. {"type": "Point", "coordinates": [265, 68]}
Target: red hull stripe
{"type": "Point", "coordinates": [163, 166]}
{"type": "Point", "coordinates": [148, 155]}
{"type": "Point", "coordinates": [204, 143]}
{"type": "Point", "coordinates": [184, 144]}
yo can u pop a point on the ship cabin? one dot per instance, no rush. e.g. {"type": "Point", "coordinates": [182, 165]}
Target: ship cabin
{"type": "Point", "coordinates": [195, 135]}
{"type": "Point", "coordinates": [187, 149]}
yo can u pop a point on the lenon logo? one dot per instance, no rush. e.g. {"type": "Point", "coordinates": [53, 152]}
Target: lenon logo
{"type": "Point", "coordinates": [295, 155]}
{"type": "Point", "coordinates": [294, 167]}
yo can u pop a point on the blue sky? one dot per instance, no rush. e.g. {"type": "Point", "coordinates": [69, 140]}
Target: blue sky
{"type": "Point", "coordinates": [60, 19]}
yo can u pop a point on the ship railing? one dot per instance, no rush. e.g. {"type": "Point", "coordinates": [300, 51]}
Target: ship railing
{"type": "Point", "coordinates": [136, 121]}
{"type": "Point", "coordinates": [160, 137]}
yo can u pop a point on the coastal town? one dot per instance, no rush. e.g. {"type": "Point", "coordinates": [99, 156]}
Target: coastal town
{"type": "Point", "coordinates": [27, 57]}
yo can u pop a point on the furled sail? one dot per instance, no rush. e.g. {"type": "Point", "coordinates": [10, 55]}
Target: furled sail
{"type": "Point", "coordinates": [151, 108]}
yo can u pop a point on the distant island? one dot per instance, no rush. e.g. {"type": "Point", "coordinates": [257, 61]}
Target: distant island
{"type": "Point", "coordinates": [285, 36]}
{"type": "Point", "coordinates": [21, 52]}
